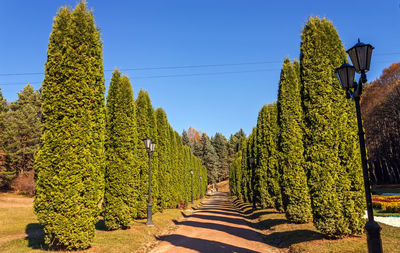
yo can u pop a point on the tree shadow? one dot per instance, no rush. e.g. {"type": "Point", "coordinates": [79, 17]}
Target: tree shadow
{"type": "Point", "coordinates": [201, 245]}
{"type": "Point", "coordinates": [288, 238]}
{"type": "Point", "coordinates": [248, 234]}
{"type": "Point", "coordinates": [269, 223]}
{"type": "Point", "coordinates": [35, 236]}
{"type": "Point", "coordinates": [219, 218]}
{"type": "Point", "coordinates": [101, 226]}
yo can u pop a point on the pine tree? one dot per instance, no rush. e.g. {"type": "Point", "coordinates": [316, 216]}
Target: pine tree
{"type": "Point", "coordinates": [23, 130]}
{"type": "Point", "coordinates": [70, 162]}
{"type": "Point", "coordinates": [295, 193]}
{"type": "Point", "coordinates": [185, 139]}
{"type": "Point", "coordinates": [120, 147]}
{"type": "Point", "coordinates": [6, 175]}
{"type": "Point", "coordinates": [331, 155]}
{"type": "Point", "coordinates": [209, 159]}
{"type": "Point", "coordinates": [267, 158]}
{"type": "Point", "coordinates": [146, 127]}
{"type": "Point", "coordinates": [220, 144]}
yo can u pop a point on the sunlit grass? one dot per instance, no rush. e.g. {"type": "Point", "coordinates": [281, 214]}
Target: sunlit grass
{"type": "Point", "coordinates": [20, 231]}
{"type": "Point", "coordinates": [305, 238]}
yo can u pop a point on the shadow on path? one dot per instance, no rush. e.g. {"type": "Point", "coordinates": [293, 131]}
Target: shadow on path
{"type": "Point", "coordinates": [201, 245]}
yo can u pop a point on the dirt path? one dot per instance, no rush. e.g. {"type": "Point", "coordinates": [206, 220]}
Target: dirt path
{"type": "Point", "coordinates": [215, 227]}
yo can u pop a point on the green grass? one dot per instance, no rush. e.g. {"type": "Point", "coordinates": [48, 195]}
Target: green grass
{"type": "Point", "coordinates": [20, 231]}
{"type": "Point", "coordinates": [305, 238]}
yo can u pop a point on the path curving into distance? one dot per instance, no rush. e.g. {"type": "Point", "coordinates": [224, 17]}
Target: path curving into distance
{"type": "Point", "coordinates": [215, 227]}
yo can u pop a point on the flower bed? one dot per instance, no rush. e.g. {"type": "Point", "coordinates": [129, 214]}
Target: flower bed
{"type": "Point", "coordinates": [389, 204]}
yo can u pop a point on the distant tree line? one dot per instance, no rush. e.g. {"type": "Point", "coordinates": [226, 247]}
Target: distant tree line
{"type": "Point", "coordinates": [88, 156]}
{"type": "Point", "coordinates": [305, 147]}
{"type": "Point", "coordinates": [216, 153]}
{"type": "Point", "coordinates": [380, 105]}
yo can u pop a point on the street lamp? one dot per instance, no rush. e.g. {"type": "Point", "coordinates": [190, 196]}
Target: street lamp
{"type": "Point", "coordinates": [191, 175]}
{"type": "Point", "coordinates": [360, 55]}
{"type": "Point", "coordinates": [251, 162]}
{"type": "Point", "coordinates": [150, 146]}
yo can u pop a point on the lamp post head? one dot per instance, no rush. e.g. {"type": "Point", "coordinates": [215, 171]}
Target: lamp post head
{"type": "Point", "coordinates": [191, 172]}
{"type": "Point", "coordinates": [360, 55]}
{"type": "Point", "coordinates": [152, 147]}
{"type": "Point", "coordinates": [345, 74]}
{"type": "Point", "coordinates": [201, 177]}
{"type": "Point", "coordinates": [147, 143]}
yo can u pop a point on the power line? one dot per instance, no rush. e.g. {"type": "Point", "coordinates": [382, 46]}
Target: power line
{"type": "Point", "coordinates": [180, 67]}
{"type": "Point", "coordinates": [177, 75]}
{"type": "Point", "coordinates": [160, 67]}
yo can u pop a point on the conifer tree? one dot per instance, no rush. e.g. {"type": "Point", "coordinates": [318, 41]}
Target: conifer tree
{"type": "Point", "coordinates": [21, 134]}
{"type": "Point", "coordinates": [146, 127]}
{"type": "Point", "coordinates": [220, 144]}
{"type": "Point", "coordinates": [120, 147]}
{"type": "Point", "coordinates": [331, 154]}
{"type": "Point", "coordinates": [70, 162]}
{"type": "Point", "coordinates": [209, 158]}
{"type": "Point", "coordinates": [162, 149]}
{"type": "Point", "coordinates": [295, 193]}
{"type": "Point", "coordinates": [267, 158]}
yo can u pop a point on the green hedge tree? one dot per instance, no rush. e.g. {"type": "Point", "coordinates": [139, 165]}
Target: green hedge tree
{"type": "Point", "coordinates": [146, 127]}
{"type": "Point", "coordinates": [295, 193]}
{"type": "Point", "coordinates": [70, 162]}
{"type": "Point", "coordinates": [121, 172]}
{"type": "Point", "coordinates": [267, 158]}
{"type": "Point", "coordinates": [330, 138]}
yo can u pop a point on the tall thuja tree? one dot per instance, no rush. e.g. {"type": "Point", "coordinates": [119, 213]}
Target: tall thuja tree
{"type": "Point", "coordinates": [70, 162]}
{"type": "Point", "coordinates": [146, 127]}
{"type": "Point", "coordinates": [120, 147]}
{"type": "Point", "coordinates": [173, 165]}
{"type": "Point", "coordinates": [267, 158]}
{"type": "Point", "coordinates": [295, 193]}
{"type": "Point", "coordinates": [330, 141]}
{"type": "Point", "coordinates": [162, 150]}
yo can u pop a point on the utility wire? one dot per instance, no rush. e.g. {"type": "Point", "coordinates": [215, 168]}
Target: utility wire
{"type": "Point", "coordinates": [177, 75]}
{"type": "Point", "coordinates": [180, 67]}
{"type": "Point", "coordinates": [159, 68]}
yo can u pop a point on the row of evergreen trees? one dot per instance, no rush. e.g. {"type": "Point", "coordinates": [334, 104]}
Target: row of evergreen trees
{"type": "Point", "coordinates": [305, 146]}
{"type": "Point", "coordinates": [91, 153]}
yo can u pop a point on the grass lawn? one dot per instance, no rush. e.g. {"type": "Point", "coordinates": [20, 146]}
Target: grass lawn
{"type": "Point", "coordinates": [305, 238]}
{"type": "Point", "coordinates": [20, 231]}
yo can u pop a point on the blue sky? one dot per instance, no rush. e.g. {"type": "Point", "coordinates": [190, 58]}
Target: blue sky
{"type": "Point", "coordinates": [141, 34]}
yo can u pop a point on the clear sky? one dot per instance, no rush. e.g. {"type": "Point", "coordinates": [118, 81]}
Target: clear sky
{"type": "Point", "coordinates": [149, 34]}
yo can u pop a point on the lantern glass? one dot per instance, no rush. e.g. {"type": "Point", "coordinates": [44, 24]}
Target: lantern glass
{"type": "Point", "coordinates": [345, 74]}
{"type": "Point", "coordinates": [191, 172]}
{"type": "Point", "coordinates": [147, 143]}
{"type": "Point", "coordinates": [152, 146]}
{"type": "Point", "coordinates": [360, 55]}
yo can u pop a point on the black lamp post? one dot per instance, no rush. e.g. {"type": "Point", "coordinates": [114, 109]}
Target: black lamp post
{"type": "Point", "coordinates": [360, 55]}
{"type": "Point", "coordinates": [150, 145]}
{"type": "Point", "coordinates": [191, 175]}
{"type": "Point", "coordinates": [251, 162]}
{"type": "Point", "coordinates": [201, 187]}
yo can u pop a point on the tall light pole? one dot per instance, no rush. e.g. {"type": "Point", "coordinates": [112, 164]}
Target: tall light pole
{"type": "Point", "coordinates": [150, 145]}
{"type": "Point", "coordinates": [360, 55]}
{"type": "Point", "coordinates": [251, 162]}
{"type": "Point", "coordinates": [191, 175]}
